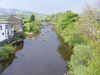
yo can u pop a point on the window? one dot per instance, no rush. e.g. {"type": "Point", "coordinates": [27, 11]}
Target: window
{"type": "Point", "coordinates": [11, 26]}
{"type": "Point", "coordinates": [6, 26]}
{"type": "Point", "coordinates": [0, 27]}
{"type": "Point", "coordinates": [3, 33]}
{"type": "Point", "coordinates": [8, 33]}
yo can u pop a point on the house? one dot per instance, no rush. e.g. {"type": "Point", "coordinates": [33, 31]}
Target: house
{"type": "Point", "coordinates": [18, 26]}
{"type": "Point", "coordinates": [11, 28]}
{"type": "Point", "coordinates": [6, 31]}
{"type": "Point", "coordinates": [17, 23]}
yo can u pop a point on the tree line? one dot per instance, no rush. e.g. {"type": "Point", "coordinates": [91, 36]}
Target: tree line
{"type": "Point", "coordinates": [82, 32]}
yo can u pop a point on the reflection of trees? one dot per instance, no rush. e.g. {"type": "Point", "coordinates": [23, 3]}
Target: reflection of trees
{"type": "Point", "coordinates": [4, 64]}
{"type": "Point", "coordinates": [18, 45]}
{"type": "Point", "coordinates": [29, 36]}
{"type": "Point", "coordinates": [65, 51]}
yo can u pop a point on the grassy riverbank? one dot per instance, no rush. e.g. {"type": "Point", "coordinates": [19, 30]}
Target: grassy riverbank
{"type": "Point", "coordinates": [82, 32]}
{"type": "Point", "coordinates": [32, 25]}
{"type": "Point", "coordinates": [5, 51]}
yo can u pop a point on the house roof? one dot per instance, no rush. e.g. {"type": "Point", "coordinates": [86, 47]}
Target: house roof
{"type": "Point", "coordinates": [14, 20]}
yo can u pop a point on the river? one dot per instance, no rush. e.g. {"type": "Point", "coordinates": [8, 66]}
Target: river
{"type": "Point", "coordinates": [38, 56]}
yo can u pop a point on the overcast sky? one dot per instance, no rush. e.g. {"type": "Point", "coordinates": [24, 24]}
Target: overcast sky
{"type": "Point", "coordinates": [46, 6]}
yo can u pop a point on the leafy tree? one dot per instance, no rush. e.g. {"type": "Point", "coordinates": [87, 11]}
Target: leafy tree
{"type": "Point", "coordinates": [83, 33]}
{"type": "Point", "coordinates": [32, 18]}
{"type": "Point", "coordinates": [80, 59]}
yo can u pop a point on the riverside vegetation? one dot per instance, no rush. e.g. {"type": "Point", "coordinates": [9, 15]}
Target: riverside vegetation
{"type": "Point", "coordinates": [32, 25]}
{"type": "Point", "coordinates": [6, 51]}
{"type": "Point", "coordinates": [82, 33]}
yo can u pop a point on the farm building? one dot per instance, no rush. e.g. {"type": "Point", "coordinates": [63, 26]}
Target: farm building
{"type": "Point", "coordinates": [10, 28]}
{"type": "Point", "coordinates": [6, 31]}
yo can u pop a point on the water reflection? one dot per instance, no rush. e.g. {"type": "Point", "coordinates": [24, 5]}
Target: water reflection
{"type": "Point", "coordinates": [32, 36]}
{"type": "Point", "coordinates": [65, 51]}
{"type": "Point", "coordinates": [3, 65]}
{"type": "Point", "coordinates": [19, 45]}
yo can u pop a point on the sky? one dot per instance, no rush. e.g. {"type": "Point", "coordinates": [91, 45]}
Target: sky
{"type": "Point", "coordinates": [46, 6]}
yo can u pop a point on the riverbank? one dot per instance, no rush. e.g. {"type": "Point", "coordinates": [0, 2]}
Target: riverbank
{"type": "Point", "coordinates": [8, 49]}
{"type": "Point", "coordinates": [38, 57]}
{"type": "Point", "coordinates": [85, 58]}
{"type": "Point", "coordinates": [31, 35]}
{"type": "Point", "coordinates": [31, 26]}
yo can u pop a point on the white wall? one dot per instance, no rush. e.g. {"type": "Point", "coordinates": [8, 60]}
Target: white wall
{"type": "Point", "coordinates": [2, 37]}
{"type": "Point", "coordinates": [11, 31]}
{"type": "Point", "coordinates": [8, 33]}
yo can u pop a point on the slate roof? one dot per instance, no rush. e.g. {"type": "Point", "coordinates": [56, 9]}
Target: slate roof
{"type": "Point", "coordinates": [14, 20]}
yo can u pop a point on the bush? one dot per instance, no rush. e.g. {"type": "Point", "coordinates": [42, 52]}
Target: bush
{"type": "Point", "coordinates": [80, 60]}
{"type": "Point", "coordinates": [6, 51]}
{"type": "Point", "coordinates": [31, 24]}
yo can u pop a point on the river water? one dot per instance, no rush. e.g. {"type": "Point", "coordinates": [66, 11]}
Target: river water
{"type": "Point", "coordinates": [38, 56]}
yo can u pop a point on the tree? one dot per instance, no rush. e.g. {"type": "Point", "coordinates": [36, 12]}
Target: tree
{"type": "Point", "coordinates": [32, 18]}
{"type": "Point", "coordinates": [89, 24]}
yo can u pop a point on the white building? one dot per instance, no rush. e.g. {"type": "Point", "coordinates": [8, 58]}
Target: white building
{"type": "Point", "coordinates": [6, 31]}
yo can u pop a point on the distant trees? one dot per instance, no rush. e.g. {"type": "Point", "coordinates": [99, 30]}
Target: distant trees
{"type": "Point", "coordinates": [32, 24]}
{"type": "Point", "coordinates": [32, 18]}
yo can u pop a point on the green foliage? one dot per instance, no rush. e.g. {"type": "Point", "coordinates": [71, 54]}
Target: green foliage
{"type": "Point", "coordinates": [31, 24]}
{"type": "Point", "coordinates": [85, 60]}
{"type": "Point", "coordinates": [27, 27]}
{"type": "Point", "coordinates": [32, 18]}
{"type": "Point", "coordinates": [66, 27]}
{"type": "Point", "coordinates": [80, 59]}
{"type": "Point", "coordinates": [36, 27]}
{"type": "Point", "coordinates": [94, 63]}
{"type": "Point", "coordinates": [83, 33]}
{"type": "Point", "coordinates": [68, 19]}
{"type": "Point", "coordinates": [5, 51]}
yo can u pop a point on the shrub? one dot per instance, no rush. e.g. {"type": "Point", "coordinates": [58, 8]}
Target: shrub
{"type": "Point", "coordinates": [6, 51]}
{"type": "Point", "coordinates": [80, 59]}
